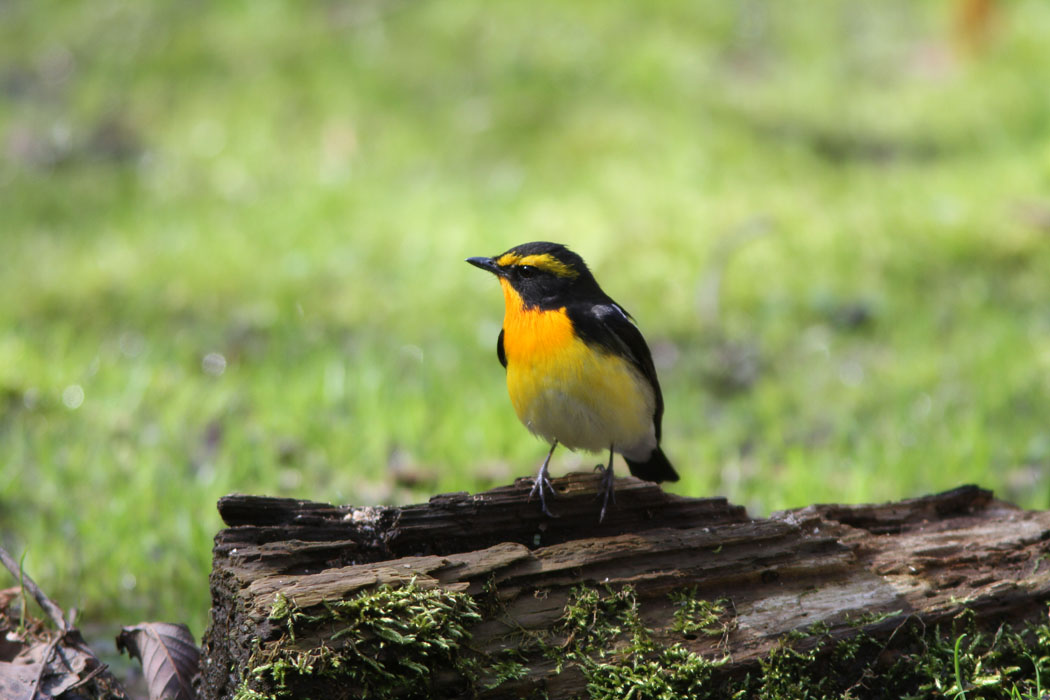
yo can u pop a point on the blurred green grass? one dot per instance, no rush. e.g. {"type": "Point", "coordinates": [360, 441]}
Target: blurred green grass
{"type": "Point", "coordinates": [233, 234]}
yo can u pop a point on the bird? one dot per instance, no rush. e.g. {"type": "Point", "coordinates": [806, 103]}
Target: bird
{"type": "Point", "coordinates": [579, 372]}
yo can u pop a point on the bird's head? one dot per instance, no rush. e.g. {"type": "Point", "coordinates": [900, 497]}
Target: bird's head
{"type": "Point", "coordinates": [542, 274]}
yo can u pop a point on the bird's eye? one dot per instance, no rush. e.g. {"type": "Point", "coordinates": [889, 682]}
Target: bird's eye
{"type": "Point", "coordinates": [527, 271]}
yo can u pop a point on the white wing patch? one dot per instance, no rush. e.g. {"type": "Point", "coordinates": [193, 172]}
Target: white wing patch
{"type": "Point", "coordinates": [612, 309]}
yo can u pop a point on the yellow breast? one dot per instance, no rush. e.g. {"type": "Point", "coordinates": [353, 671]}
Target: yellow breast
{"type": "Point", "coordinates": [564, 390]}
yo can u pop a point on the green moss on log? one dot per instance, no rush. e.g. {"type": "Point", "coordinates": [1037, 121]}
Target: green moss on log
{"type": "Point", "coordinates": [381, 643]}
{"type": "Point", "coordinates": [393, 642]}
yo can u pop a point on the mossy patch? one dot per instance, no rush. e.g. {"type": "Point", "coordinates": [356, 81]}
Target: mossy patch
{"type": "Point", "coordinates": [395, 642]}
{"type": "Point", "coordinates": [956, 660]}
{"type": "Point", "coordinates": [695, 616]}
{"type": "Point", "coordinates": [618, 655]}
{"type": "Point", "coordinates": [379, 643]}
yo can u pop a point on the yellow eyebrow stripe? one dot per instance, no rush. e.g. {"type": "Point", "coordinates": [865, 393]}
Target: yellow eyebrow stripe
{"type": "Point", "coordinates": [543, 261]}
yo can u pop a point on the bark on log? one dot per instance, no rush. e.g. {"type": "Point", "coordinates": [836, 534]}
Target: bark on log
{"type": "Point", "coordinates": [815, 576]}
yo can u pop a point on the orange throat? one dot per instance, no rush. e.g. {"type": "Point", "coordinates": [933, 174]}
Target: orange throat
{"type": "Point", "coordinates": [532, 335]}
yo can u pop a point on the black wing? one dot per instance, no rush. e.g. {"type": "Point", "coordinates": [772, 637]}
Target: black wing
{"type": "Point", "coordinates": [609, 326]}
{"type": "Point", "coordinates": [499, 350]}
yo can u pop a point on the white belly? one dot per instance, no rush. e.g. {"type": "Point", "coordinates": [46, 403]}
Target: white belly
{"type": "Point", "coordinates": [591, 404]}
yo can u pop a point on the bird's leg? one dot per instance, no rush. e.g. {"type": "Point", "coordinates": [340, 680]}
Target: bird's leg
{"type": "Point", "coordinates": [607, 485]}
{"type": "Point", "coordinates": [543, 482]}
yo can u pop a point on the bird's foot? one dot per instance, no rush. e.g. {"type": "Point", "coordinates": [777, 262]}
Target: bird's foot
{"type": "Point", "coordinates": [541, 486]}
{"type": "Point", "coordinates": [607, 491]}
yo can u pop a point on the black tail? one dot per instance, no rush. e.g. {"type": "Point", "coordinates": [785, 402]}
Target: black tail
{"type": "Point", "coordinates": [657, 468]}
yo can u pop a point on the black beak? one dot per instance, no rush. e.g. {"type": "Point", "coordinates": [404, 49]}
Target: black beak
{"type": "Point", "coordinates": [486, 264]}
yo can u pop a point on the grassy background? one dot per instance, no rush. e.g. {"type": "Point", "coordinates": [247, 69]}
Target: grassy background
{"type": "Point", "coordinates": [232, 234]}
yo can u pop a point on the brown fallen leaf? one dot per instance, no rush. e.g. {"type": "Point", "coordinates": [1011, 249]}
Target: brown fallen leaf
{"type": "Point", "coordinates": [170, 658]}
{"type": "Point", "coordinates": [18, 681]}
{"type": "Point", "coordinates": [37, 662]}
{"type": "Point", "coordinates": [44, 670]}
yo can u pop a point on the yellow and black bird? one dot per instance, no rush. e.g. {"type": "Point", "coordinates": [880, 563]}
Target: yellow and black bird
{"type": "Point", "coordinates": [578, 370]}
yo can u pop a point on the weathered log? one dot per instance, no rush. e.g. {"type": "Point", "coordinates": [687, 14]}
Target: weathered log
{"type": "Point", "coordinates": [688, 593]}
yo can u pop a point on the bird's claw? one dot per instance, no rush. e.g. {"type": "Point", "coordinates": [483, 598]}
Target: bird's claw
{"type": "Point", "coordinates": [541, 484]}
